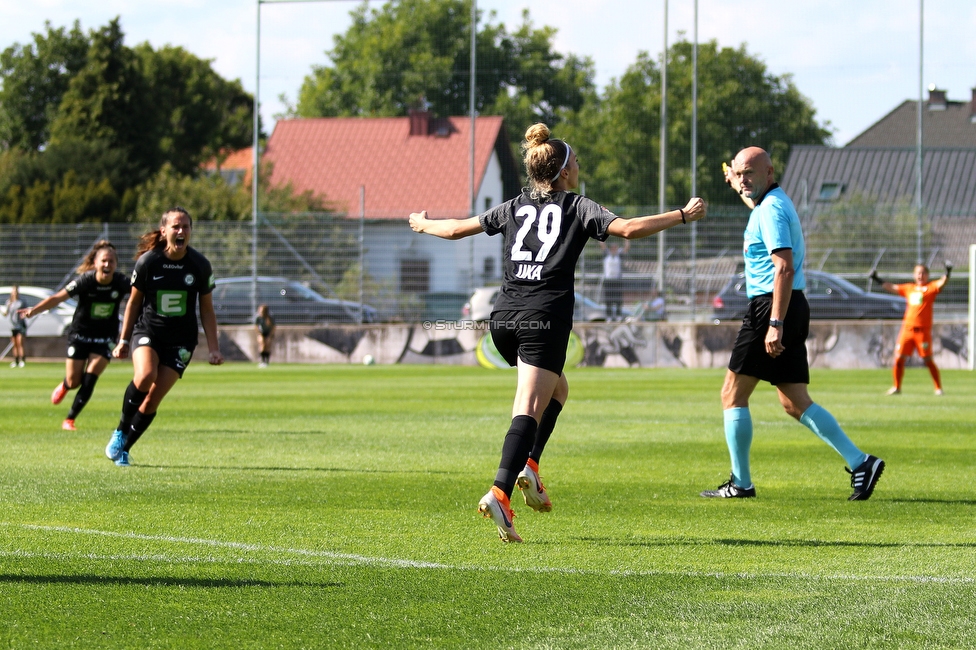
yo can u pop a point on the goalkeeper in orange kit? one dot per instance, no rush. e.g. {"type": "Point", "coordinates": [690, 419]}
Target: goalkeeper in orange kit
{"type": "Point", "coordinates": [916, 329]}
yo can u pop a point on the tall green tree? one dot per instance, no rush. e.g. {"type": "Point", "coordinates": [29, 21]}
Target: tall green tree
{"type": "Point", "coordinates": [35, 77]}
{"type": "Point", "coordinates": [414, 52]}
{"type": "Point", "coordinates": [86, 120]}
{"type": "Point", "coordinates": [740, 103]}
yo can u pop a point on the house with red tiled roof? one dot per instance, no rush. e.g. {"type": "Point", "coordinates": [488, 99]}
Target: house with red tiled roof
{"type": "Point", "coordinates": [382, 169]}
{"type": "Point", "coordinates": [234, 166]}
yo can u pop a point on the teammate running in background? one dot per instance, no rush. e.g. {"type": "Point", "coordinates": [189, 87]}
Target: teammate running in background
{"type": "Point", "coordinates": [99, 290]}
{"type": "Point", "coordinates": [916, 327]}
{"type": "Point", "coordinates": [18, 325]}
{"type": "Point", "coordinates": [168, 281]}
{"type": "Point", "coordinates": [265, 325]}
{"type": "Point", "coordinates": [545, 230]}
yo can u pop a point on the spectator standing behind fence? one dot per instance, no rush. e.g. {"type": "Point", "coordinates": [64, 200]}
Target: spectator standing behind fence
{"type": "Point", "coordinates": [94, 330]}
{"type": "Point", "coordinates": [771, 344]}
{"type": "Point", "coordinates": [545, 229]}
{"type": "Point", "coordinates": [613, 274]}
{"type": "Point", "coordinates": [916, 327]}
{"type": "Point", "coordinates": [18, 326]}
{"type": "Point", "coordinates": [168, 281]}
{"type": "Point", "coordinates": [265, 326]}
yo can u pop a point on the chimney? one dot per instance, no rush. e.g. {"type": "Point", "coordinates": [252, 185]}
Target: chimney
{"type": "Point", "coordinates": [937, 99]}
{"type": "Point", "coordinates": [419, 121]}
{"type": "Point", "coordinates": [972, 108]}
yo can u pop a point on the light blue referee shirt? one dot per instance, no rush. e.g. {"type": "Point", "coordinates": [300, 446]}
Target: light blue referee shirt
{"type": "Point", "coordinates": [773, 225]}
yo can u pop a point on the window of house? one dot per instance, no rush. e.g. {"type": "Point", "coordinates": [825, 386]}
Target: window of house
{"type": "Point", "coordinates": [414, 276]}
{"type": "Point", "coordinates": [830, 191]}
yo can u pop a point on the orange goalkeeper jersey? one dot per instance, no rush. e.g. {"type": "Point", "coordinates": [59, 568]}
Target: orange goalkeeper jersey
{"type": "Point", "coordinates": [920, 299]}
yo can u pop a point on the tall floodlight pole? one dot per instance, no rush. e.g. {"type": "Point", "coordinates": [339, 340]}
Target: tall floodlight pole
{"type": "Point", "coordinates": [694, 159]}
{"type": "Point", "coordinates": [471, 108]}
{"type": "Point", "coordinates": [664, 151]}
{"type": "Point", "coordinates": [254, 174]}
{"type": "Point", "coordinates": [918, 137]}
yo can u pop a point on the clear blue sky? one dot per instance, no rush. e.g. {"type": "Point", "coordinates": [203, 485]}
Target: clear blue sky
{"type": "Point", "coordinates": [856, 60]}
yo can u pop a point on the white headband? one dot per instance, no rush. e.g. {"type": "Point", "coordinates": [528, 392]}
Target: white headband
{"type": "Point", "coordinates": [568, 149]}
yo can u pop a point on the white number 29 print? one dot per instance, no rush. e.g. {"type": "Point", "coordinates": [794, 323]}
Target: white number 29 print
{"type": "Point", "coordinates": [548, 231]}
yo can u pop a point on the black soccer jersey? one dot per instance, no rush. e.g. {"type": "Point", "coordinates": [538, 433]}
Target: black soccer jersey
{"type": "Point", "coordinates": [543, 241]}
{"type": "Point", "coordinates": [97, 315]}
{"type": "Point", "coordinates": [171, 289]}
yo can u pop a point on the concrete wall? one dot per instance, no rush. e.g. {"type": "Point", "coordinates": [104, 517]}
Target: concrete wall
{"type": "Point", "coordinates": [832, 344]}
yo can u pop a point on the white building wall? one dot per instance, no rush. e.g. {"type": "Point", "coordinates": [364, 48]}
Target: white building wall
{"type": "Point", "coordinates": [455, 266]}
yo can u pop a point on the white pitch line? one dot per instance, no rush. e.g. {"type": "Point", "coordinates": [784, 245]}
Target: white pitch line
{"type": "Point", "coordinates": [354, 559]}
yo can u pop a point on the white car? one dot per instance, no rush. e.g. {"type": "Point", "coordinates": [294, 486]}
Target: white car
{"type": "Point", "coordinates": [482, 301]}
{"type": "Point", "coordinates": [53, 322]}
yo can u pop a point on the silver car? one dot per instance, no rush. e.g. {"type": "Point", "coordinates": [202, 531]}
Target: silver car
{"type": "Point", "coordinates": [482, 301]}
{"type": "Point", "coordinates": [54, 322]}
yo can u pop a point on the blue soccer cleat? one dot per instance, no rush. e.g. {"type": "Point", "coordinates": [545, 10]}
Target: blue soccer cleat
{"type": "Point", "coordinates": [123, 460]}
{"type": "Point", "coordinates": [113, 450]}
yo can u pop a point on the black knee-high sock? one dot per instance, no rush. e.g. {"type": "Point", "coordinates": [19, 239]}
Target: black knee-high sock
{"type": "Point", "coordinates": [546, 425]}
{"type": "Point", "coordinates": [84, 394]}
{"type": "Point", "coordinates": [130, 404]}
{"type": "Point", "coordinates": [140, 422]}
{"type": "Point", "coordinates": [515, 451]}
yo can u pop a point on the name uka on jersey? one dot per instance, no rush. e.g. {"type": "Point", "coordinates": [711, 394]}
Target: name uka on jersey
{"type": "Point", "coordinates": [529, 272]}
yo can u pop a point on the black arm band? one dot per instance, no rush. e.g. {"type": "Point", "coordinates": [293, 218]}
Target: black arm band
{"type": "Point", "coordinates": [682, 215]}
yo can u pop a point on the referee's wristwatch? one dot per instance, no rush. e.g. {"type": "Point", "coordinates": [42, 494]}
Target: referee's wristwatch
{"type": "Point", "coordinates": [775, 322]}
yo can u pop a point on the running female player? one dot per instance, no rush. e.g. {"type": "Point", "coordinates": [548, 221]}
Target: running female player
{"type": "Point", "coordinates": [94, 330]}
{"type": "Point", "coordinates": [545, 230]}
{"type": "Point", "coordinates": [168, 281]}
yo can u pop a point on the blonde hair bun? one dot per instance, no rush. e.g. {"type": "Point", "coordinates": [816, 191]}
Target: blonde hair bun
{"type": "Point", "coordinates": [536, 135]}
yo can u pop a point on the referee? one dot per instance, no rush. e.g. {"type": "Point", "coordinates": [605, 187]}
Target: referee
{"type": "Point", "coordinates": [771, 344]}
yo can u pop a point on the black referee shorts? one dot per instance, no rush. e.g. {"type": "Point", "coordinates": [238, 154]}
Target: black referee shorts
{"type": "Point", "coordinates": [749, 356]}
{"type": "Point", "coordinates": [535, 337]}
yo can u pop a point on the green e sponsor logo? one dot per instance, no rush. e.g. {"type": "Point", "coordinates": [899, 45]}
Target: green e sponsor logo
{"type": "Point", "coordinates": [101, 310]}
{"type": "Point", "coordinates": [171, 303]}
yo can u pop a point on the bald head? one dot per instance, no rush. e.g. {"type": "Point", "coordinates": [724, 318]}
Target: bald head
{"type": "Point", "coordinates": [754, 170]}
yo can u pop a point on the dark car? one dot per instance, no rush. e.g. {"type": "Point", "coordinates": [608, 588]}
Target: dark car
{"type": "Point", "coordinates": [830, 297]}
{"type": "Point", "coordinates": [291, 303]}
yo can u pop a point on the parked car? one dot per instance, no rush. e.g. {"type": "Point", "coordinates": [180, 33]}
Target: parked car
{"type": "Point", "coordinates": [291, 303]}
{"type": "Point", "coordinates": [482, 301]}
{"type": "Point", "coordinates": [830, 297]}
{"type": "Point", "coordinates": [53, 322]}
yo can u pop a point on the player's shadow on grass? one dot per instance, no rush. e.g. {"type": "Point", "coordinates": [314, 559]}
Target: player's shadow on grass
{"type": "Point", "coordinates": [673, 541]}
{"type": "Point", "coordinates": [350, 470]}
{"type": "Point", "coordinates": [199, 583]}
{"type": "Point", "coordinates": [950, 502]}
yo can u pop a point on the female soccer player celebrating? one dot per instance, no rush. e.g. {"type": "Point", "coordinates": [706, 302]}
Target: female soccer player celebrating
{"type": "Point", "coordinates": [99, 290]}
{"type": "Point", "coordinates": [545, 229]}
{"type": "Point", "coordinates": [160, 319]}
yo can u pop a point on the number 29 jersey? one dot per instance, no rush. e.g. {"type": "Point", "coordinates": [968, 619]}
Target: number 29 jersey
{"type": "Point", "coordinates": [543, 241]}
{"type": "Point", "coordinates": [171, 289]}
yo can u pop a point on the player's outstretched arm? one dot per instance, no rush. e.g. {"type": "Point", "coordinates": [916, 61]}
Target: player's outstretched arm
{"type": "Point", "coordinates": [132, 309]}
{"type": "Point", "coordinates": [208, 318]}
{"type": "Point", "coordinates": [445, 228]}
{"type": "Point", "coordinates": [638, 227]}
{"type": "Point", "coordinates": [945, 278]}
{"type": "Point", "coordinates": [885, 286]}
{"type": "Point", "coordinates": [50, 302]}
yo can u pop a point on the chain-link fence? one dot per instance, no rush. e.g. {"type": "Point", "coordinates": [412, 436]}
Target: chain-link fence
{"type": "Point", "coordinates": [381, 271]}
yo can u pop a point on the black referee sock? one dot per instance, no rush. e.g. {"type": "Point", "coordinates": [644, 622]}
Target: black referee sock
{"type": "Point", "coordinates": [546, 425]}
{"type": "Point", "coordinates": [84, 394]}
{"type": "Point", "coordinates": [140, 422]}
{"type": "Point", "coordinates": [130, 405]}
{"type": "Point", "coordinates": [515, 451]}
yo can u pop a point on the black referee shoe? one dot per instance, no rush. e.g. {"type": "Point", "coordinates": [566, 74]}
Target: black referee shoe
{"type": "Point", "coordinates": [865, 477]}
{"type": "Point", "coordinates": [730, 490]}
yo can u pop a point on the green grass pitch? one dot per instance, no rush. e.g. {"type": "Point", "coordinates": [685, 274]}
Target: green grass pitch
{"type": "Point", "coordinates": [324, 506]}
